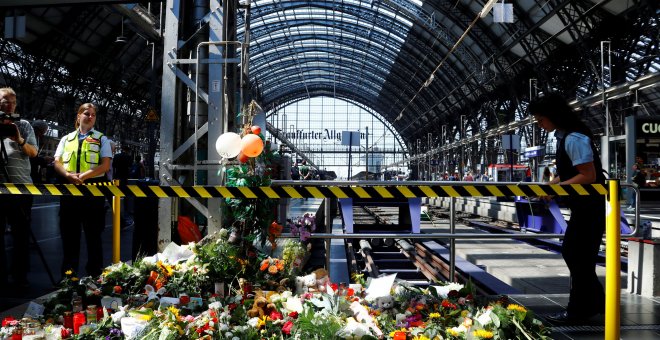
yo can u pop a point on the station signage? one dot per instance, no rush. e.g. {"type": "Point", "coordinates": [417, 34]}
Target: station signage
{"type": "Point", "coordinates": [647, 127]}
{"type": "Point", "coordinates": [535, 151]}
{"type": "Point", "coordinates": [321, 135]}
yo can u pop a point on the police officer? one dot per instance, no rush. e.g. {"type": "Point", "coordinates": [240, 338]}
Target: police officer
{"type": "Point", "coordinates": [83, 156]}
{"type": "Point", "coordinates": [18, 145]}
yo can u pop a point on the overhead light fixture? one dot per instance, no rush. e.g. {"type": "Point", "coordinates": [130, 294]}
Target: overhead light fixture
{"type": "Point", "coordinates": [487, 8]}
{"type": "Point", "coordinates": [121, 39]}
{"type": "Point", "coordinates": [636, 103]}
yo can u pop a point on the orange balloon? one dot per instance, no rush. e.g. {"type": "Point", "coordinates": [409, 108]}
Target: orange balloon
{"type": "Point", "coordinates": [252, 145]}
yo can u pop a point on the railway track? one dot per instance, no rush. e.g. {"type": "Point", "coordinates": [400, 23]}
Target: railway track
{"type": "Point", "coordinates": [419, 262]}
{"type": "Point", "coordinates": [423, 262]}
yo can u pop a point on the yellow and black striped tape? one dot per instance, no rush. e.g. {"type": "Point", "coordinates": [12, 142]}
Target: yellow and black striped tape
{"type": "Point", "coordinates": [385, 191]}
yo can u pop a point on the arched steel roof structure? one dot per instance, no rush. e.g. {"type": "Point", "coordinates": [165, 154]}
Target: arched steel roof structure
{"type": "Point", "coordinates": [380, 53]}
{"type": "Point", "coordinates": [383, 53]}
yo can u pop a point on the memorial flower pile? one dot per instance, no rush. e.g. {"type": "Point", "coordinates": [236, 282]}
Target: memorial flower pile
{"type": "Point", "coordinates": [181, 304]}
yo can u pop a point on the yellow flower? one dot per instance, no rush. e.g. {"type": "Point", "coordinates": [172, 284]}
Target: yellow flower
{"type": "Point", "coordinates": [516, 308]}
{"type": "Point", "coordinates": [453, 332]}
{"type": "Point", "coordinates": [68, 272]}
{"type": "Point", "coordinates": [483, 334]}
{"type": "Point", "coordinates": [421, 337]}
{"type": "Point", "coordinates": [174, 311]}
{"type": "Point", "coordinates": [464, 313]}
{"type": "Point", "coordinates": [74, 279]}
{"type": "Point", "coordinates": [261, 322]}
{"type": "Point", "coordinates": [434, 316]}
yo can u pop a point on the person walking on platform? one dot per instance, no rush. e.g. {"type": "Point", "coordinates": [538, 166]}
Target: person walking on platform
{"type": "Point", "coordinates": [83, 156]}
{"type": "Point", "coordinates": [18, 145]}
{"type": "Point", "coordinates": [577, 163]}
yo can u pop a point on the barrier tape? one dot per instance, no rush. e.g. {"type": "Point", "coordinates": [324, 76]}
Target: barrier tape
{"type": "Point", "coordinates": [385, 191]}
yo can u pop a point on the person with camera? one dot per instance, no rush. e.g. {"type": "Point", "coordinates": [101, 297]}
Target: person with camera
{"type": "Point", "coordinates": [18, 144]}
{"type": "Point", "coordinates": [83, 156]}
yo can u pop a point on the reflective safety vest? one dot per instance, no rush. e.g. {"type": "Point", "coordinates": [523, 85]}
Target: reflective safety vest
{"type": "Point", "coordinates": [82, 155]}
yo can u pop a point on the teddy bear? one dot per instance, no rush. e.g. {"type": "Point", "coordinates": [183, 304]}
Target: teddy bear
{"type": "Point", "coordinates": [385, 304]}
{"type": "Point", "coordinates": [260, 307]}
{"type": "Point", "coordinates": [305, 283]}
{"type": "Point", "coordinates": [322, 279]}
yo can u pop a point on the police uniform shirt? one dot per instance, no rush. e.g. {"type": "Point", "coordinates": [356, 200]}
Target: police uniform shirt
{"type": "Point", "coordinates": [577, 146]}
{"type": "Point", "coordinates": [18, 163]}
{"type": "Point", "coordinates": [106, 150]}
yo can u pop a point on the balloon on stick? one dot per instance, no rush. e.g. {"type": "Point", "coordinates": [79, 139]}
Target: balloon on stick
{"type": "Point", "coordinates": [228, 145]}
{"type": "Point", "coordinates": [252, 145]}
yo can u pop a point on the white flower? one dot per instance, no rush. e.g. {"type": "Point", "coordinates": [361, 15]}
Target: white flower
{"type": "Point", "coordinates": [444, 290]}
{"type": "Point", "coordinates": [484, 319]}
{"type": "Point", "coordinates": [253, 322]}
{"type": "Point", "coordinates": [215, 305]}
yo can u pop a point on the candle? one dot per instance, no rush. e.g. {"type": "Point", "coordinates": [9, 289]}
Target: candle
{"type": "Point", "coordinates": [91, 313]}
{"type": "Point", "coordinates": [78, 320]}
{"type": "Point", "coordinates": [68, 320]}
{"type": "Point", "coordinates": [99, 314]}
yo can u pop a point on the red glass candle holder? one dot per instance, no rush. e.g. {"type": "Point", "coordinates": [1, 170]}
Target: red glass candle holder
{"type": "Point", "coordinates": [78, 320]}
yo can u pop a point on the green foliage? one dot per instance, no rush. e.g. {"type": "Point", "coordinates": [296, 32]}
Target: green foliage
{"type": "Point", "coordinates": [221, 258]}
{"type": "Point", "coordinates": [311, 325]}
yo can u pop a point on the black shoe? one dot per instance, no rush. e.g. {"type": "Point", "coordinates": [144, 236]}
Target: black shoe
{"type": "Point", "coordinates": [564, 318]}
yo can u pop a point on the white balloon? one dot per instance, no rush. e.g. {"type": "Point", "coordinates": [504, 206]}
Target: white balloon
{"type": "Point", "coordinates": [228, 145]}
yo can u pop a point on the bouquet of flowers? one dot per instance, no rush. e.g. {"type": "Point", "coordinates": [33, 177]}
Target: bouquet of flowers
{"type": "Point", "coordinates": [303, 226]}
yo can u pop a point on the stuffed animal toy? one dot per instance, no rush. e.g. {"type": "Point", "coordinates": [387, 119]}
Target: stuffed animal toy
{"type": "Point", "coordinates": [305, 283]}
{"type": "Point", "coordinates": [283, 285]}
{"type": "Point", "coordinates": [385, 304]}
{"type": "Point", "coordinates": [260, 307]}
{"type": "Point", "coordinates": [322, 279]}
{"type": "Point", "coordinates": [154, 294]}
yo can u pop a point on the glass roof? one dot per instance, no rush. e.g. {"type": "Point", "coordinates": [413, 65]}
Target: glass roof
{"type": "Point", "coordinates": [419, 64]}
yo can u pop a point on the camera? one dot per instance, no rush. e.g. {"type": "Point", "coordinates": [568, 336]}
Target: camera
{"type": "Point", "coordinates": [8, 130]}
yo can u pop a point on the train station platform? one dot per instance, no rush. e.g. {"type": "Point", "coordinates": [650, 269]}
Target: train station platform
{"type": "Point", "coordinates": [543, 280]}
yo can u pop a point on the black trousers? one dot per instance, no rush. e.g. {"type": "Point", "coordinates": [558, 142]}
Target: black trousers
{"type": "Point", "coordinates": [580, 248]}
{"type": "Point", "coordinates": [82, 214]}
{"type": "Point", "coordinates": [15, 210]}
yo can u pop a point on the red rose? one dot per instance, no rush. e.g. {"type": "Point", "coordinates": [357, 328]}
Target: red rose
{"type": "Point", "coordinates": [6, 321]}
{"type": "Point", "coordinates": [334, 286]}
{"type": "Point", "coordinates": [116, 289]}
{"type": "Point", "coordinates": [232, 306]}
{"type": "Point", "coordinates": [453, 294]}
{"type": "Point", "coordinates": [350, 292]}
{"type": "Point", "coordinates": [293, 315]}
{"type": "Point", "coordinates": [275, 315]}
{"type": "Point", "coordinates": [65, 333]}
{"type": "Point", "coordinates": [286, 328]}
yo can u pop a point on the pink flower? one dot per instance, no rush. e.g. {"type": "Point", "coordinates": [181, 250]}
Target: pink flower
{"type": "Point", "coordinates": [275, 315]}
{"type": "Point", "coordinates": [286, 328]}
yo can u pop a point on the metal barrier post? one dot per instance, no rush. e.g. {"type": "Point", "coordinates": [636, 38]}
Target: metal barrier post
{"type": "Point", "coordinates": [452, 240]}
{"type": "Point", "coordinates": [613, 263]}
{"type": "Point", "coordinates": [328, 229]}
{"type": "Point", "coordinates": [116, 238]}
